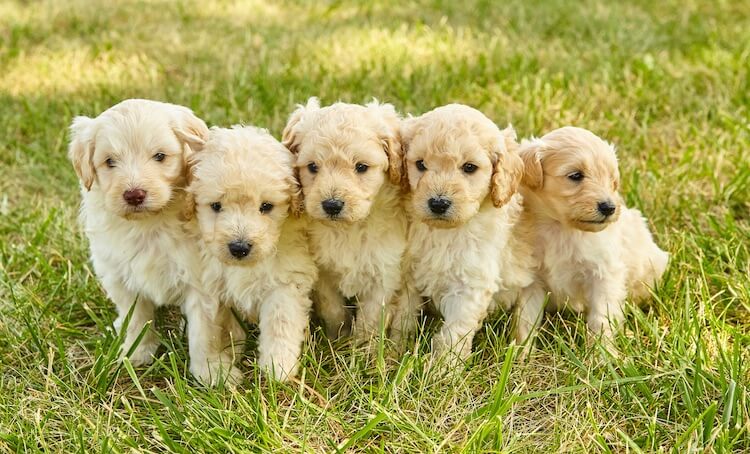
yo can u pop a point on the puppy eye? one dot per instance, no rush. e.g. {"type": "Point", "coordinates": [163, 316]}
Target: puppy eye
{"type": "Point", "coordinates": [469, 167]}
{"type": "Point", "coordinates": [110, 162]}
{"type": "Point", "coordinates": [159, 157]}
{"type": "Point", "coordinates": [361, 167]}
{"type": "Point", "coordinates": [216, 206]}
{"type": "Point", "coordinates": [266, 207]}
{"type": "Point", "coordinates": [420, 166]}
{"type": "Point", "coordinates": [312, 167]}
{"type": "Point", "coordinates": [576, 176]}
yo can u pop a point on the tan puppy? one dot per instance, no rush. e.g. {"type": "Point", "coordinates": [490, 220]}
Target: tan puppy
{"type": "Point", "coordinates": [593, 250]}
{"type": "Point", "coordinates": [349, 164]}
{"type": "Point", "coordinates": [465, 250]}
{"type": "Point", "coordinates": [255, 255]}
{"type": "Point", "coordinates": [131, 163]}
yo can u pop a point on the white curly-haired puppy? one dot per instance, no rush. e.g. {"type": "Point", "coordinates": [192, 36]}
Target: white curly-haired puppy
{"type": "Point", "coordinates": [349, 164]}
{"type": "Point", "coordinates": [131, 161]}
{"type": "Point", "coordinates": [256, 257]}
{"type": "Point", "coordinates": [592, 249]}
{"type": "Point", "coordinates": [466, 252]}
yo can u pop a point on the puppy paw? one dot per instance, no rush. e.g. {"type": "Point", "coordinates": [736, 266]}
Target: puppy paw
{"type": "Point", "coordinates": [279, 370]}
{"type": "Point", "coordinates": [213, 373]}
{"type": "Point", "coordinates": [143, 355]}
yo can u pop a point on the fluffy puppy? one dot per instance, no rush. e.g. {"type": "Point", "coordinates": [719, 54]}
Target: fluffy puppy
{"type": "Point", "coordinates": [349, 166]}
{"type": "Point", "coordinates": [131, 164]}
{"type": "Point", "coordinates": [255, 256]}
{"type": "Point", "coordinates": [466, 253]}
{"type": "Point", "coordinates": [592, 249]}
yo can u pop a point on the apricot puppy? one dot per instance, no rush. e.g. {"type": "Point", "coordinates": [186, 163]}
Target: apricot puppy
{"type": "Point", "coordinates": [465, 249]}
{"type": "Point", "coordinates": [349, 165]}
{"type": "Point", "coordinates": [592, 249]}
{"type": "Point", "coordinates": [255, 255]}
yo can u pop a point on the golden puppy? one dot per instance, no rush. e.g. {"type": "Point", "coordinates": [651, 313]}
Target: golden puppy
{"type": "Point", "coordinates": [349, 165]}
{"type": "Point", "coordinates": [256, 256]}
{"type": "Point", "coordinates": [465, 251]}
{"type": "Point", "coordinates": [131, 164]}
{"type": "Point", "coordinates": [593, 250]}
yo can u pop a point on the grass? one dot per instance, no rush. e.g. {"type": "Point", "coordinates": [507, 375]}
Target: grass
{"type": "Point", "coordinates": [666, 81]}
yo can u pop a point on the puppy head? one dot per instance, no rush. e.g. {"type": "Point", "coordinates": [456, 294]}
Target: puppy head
{"type": "Point", "coordinates": [134, 154]}
{"type": "Point", "coordinates": [345, 153]}
{"type": "Point", "coordinates": [572, 174]}
{"type": "Point", "coordinates": [242, 187]}
{"type": "Point", "coordinates": [457, 160]}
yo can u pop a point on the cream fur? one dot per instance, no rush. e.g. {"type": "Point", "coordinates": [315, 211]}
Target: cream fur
{"type": "Point", "coordinates": [242, 168]}
{"type": "Point", "coordinates": [587, 262]}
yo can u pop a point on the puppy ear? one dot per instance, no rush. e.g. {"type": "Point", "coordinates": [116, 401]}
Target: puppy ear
{"type": "Point", "coordinates": [507, 170]}
{"type": "Point", "coordinates": [81, 150]}
{"type": "Point", "coordinates": [390, 137]}
{"type": "Point", "coordinates": [190, 129]}
{"type": "Point", "coordinates": [407, 130]}
{"type": "Point", "coordinates": [188, 207]}
{"type": "Point", "coordinates": [297, 204]}
{"type": "Point", "coordinates": [292, 134]}
{"type": "Point", "coordinates": [533, 175]}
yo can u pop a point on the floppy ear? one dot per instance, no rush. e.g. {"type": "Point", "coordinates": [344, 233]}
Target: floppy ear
{"type": "Point", "coordinates": [533, 175]}
{"type": "Point", "coordinates": [297, 204]}
{"type": "Point", "coordinates": [190, 129]}
{"type": "Point", "coordinates": [390, 137]}
{"type": "Point", "coordinates": [188, 207]}
{"type": "Point", "coordinates": [407, 129]}
{"type": "Point", "coordinates": [81, 150]}
{"type": "Point", "coordinates": [507, 170]}
{"type": "Point", "coordinates": [292, 134]}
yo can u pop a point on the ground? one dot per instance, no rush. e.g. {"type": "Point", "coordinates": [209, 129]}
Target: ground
{"type": "Point", "coordinates": [665, 81]}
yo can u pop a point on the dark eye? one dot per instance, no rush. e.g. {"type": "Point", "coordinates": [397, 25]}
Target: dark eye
{"type": "Point", "coordinates": [266, 207]}
{"type": "Point", "coordinates": [110, 162]}
{"type": "Point", "coordinates": [576, 176]}
{"type": "Point", "coordinates": [312, 167]}
{"type": "Point", "coordinates": [361, 167]}
{"type": "Point", "coordinates": [216, 206]}
{"type": "Point", "coordinates": [420, 166]}
{"type": "Point", "coordinates": [469, 167]}
{"type": "Point", "coordinates": [159, 157]}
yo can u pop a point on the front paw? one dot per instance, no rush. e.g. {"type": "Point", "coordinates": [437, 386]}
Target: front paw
{"type": "Point", "coordinates": [143, 355]}
{"type": "Point", "coordinates": [280, 368]}
{"type": "Point", "coordinates": [215, 372]}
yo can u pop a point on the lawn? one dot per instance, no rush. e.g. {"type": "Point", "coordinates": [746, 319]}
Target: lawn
{"type": "Point", "coordinates": [666, 81]}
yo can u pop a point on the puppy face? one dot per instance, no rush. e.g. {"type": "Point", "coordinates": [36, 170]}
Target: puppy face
{"type": "Point", "coordinates": [242, 187]}
{"type": "Point", "coordinates": [344, 152]}
{"type": "Point", "coordinates": [456, 161]}
{"type": "Point", "coordinates": [574, 176]}
{"type": "Point", "coordinates": [134, 153]}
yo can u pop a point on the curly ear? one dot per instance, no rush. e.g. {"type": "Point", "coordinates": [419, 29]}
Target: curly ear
{"type": "Point", "coordinates": [533, 174]}
{"type": "Point", "coordinates": [292, 134]}
{"type": "Point", "coordinates": [188, 207]}
{"type": "Point", "coordinates": [507, 170]}
{"type": "Point", "coordinates": [297, 203]}
{"type": "Point", "coordinates": [390, 137]}
{"type": "Point", "coordinates": [81, 150]}
{"type": "Point", "coordinates": [407, 129]}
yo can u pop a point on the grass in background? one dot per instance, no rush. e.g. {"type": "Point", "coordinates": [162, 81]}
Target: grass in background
{"type": "Point", "coordinates": [666, 81]}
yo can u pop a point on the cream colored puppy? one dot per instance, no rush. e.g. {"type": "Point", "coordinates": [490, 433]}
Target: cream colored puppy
{"type": "Point", "coordinates": [131, 164]}
{"type": "Point", "coordinates": [466, 253]}
{"type": "Point", "coordinates": [593, 250]}
{"type": "Point", "coordinates": [349, 165]}
{"type": "Point", "coordinates": [256, 256]}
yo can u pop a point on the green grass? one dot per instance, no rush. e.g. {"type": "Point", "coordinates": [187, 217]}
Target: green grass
{"type": "Point", "coordinates": [666, 81]}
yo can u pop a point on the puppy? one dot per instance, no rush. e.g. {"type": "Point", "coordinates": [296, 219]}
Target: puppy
{"type": "Point", "coordinates": [348, 158]}
{"type": "Point", "coordinates": [255, 255]}
{"type": "Point", "coordinates": [592, 249]}
{"type": "Point", "coordinates": [466, 252]}
{"type": "Point", "coordinates": [131, 164]}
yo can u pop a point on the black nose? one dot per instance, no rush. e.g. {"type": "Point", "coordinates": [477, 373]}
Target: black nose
{"type": "Point", "coordinates": [439, 205]}
{"type": "Point", "coordinates": [134, 197]}
{"type": "Point", "coordinates": [239, 248]}
{"type": "Point", "coordinates": [333, 206]}
{"type": "Point", "coordinates": [606, 208]}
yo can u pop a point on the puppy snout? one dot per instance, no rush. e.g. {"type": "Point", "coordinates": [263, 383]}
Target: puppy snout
{"type": "Point", "coordinates": [239, 248]}
{"type": "Point", "coordinates": [134, 197]}
{"type": "Point", "coordinates": [332, 207]}
{"type": "Point", "coordinates": [439, 205]}
{"type": "Point", "coordinates": [607, 208]}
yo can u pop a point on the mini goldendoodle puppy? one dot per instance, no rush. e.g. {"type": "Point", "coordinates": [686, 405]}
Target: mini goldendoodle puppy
{"type": "Point", "coordinates": [592, 249]}
{"type": "Point", "coordinates": [256, 256]}
{"type": "Point", "coordinates": [349, 166]}
{"type": "Point", "coordinates": [131, 164]}
{"type": "Point", "coordinates": [466, 253]}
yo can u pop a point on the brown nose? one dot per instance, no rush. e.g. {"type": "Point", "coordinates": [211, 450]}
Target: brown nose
{"type": "Point", "coordinates": [134, 197]}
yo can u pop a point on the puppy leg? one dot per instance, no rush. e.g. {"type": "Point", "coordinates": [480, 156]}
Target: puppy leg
{"type": "Point", "coordinates": [463, 313]}
{"type": "Point", "coordinates": [284, 318]}
{"type": "Point", "coordinates": [405, 313]}
{"type": "Point", "coordinates": [373, 311]}
{"type": "Point", "coordinates": [329, 305]}
{"type": "Point", "coordinates": [605, 310]}
{"type": "Point", "coordinates": [143, 313]}
{"type": "Point", "coordinates": [529, 312]}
